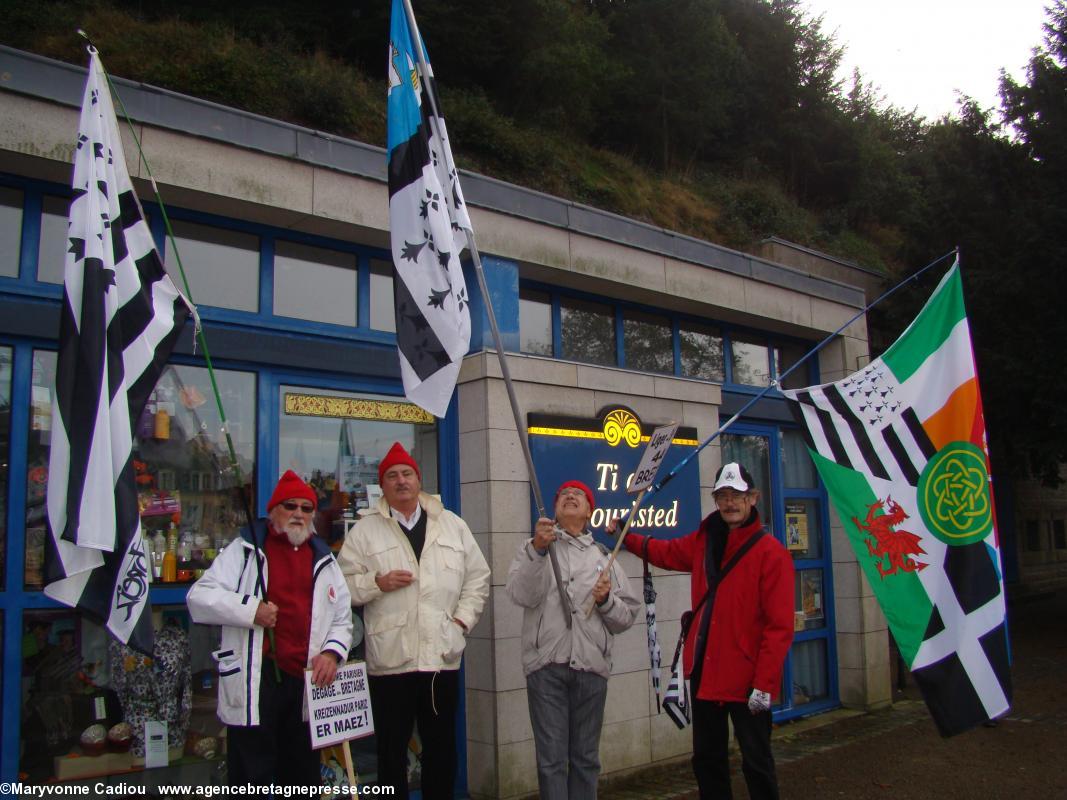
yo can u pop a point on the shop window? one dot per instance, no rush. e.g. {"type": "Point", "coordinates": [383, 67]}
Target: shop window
{"type": "Point", "coordinates": [587, 331]}
{"type": "Point", "coordinates": [1059, 536]}
{"type": "Point", "coordinates": [186, 489]}
{"type": "Point", "coordinates": [701, 351]}
{"type": "Point", "coordinates": [382, 304]}
{"type": "Point", "coordinates": [647, 342]}
{"type": "Point", "coordinates": [52, 252]}
{"type": "Point", "coordinates": [222, 266]}
{"type": "Point", "coordinates": [5, 454]}
{"type": "Point", "coordinates": [753, 452]}
{"type": "Point", "coordinates": [335, 441]}
{"type": "Point", "coordinates": [315, 284]}
{"type": "Point", "coordinates": [10, 231]}
{"type": "Point", "coordinates": [87, 698]}
{"type": "Point", "coordinates": [535, 322]}
{"type": "Point", "coordinates": [1033, 536]}
{"type": "Point", "coordinates": [785, 356]}
{"type": "Point", "coordinates": [809, 671]}
{"type": "Point", "coordinates": [750, 361]}
{"type": "Point", "coordinates": [798, 470]}
{"type": "Point", "coordinates": [810, 597]}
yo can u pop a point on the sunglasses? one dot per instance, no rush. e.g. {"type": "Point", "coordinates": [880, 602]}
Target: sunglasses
{"type": "Point", "coordinates": [289, 505]}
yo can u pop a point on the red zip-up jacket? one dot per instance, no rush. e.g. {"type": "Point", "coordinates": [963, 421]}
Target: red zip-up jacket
{"type": "Point", "coordinates": [752, 620]}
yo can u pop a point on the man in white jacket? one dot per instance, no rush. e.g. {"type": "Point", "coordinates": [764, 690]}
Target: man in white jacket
{"type": "Point", "coordinates": [567, 665]}
{"type": "Point", "coordinates": [423, 582]}
{"type": "Point", "coordinates": [297, 590]}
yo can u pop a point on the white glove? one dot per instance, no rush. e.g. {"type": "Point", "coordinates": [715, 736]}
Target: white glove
{"type": "Point", "coordinates": [759, 701]}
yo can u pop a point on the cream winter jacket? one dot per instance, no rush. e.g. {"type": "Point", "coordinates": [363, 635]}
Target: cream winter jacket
{"type": "Point", "coordinates": [412, 629]}
{"type": "Point", "coordinates": [586, 646]}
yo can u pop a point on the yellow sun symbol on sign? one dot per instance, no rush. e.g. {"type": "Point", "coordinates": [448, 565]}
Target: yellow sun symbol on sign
{"type": "Point", "coordinates": [621, 425]}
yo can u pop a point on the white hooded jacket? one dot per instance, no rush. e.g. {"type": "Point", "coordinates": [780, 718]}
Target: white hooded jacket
{"type": "Point", "coordinates": [229, 593]}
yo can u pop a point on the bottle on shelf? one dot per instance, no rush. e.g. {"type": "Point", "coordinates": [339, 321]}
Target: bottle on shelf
{"type": "Point", "coordinates": [159, 549]}
{"type": "Point", "coordinates": [170, 567]}
{"type": "Point", "coordinates": [185, 557]}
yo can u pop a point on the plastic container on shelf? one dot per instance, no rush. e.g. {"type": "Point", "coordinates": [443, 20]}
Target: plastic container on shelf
{"type": "Point", "coordinates": [170, 567]}
{"type": "Point", "coordinates": [185, 565]}
{"type": "Point", "coordinates": [159, 549]}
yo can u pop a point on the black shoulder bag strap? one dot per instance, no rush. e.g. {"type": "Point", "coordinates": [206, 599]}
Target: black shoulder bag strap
{"type": "Point", "coordinates": [715, 577]}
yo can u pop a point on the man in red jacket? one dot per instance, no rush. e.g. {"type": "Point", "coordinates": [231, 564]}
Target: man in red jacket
{"type": "Point", "coordinates": [740, 632]}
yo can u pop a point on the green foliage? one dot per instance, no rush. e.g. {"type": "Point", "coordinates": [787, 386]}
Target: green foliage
{"type": "Point", "coordinates": [723, 119]}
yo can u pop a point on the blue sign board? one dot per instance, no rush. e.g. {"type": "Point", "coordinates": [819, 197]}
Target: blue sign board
{"type": "Point", "coordinates": [602, 453]}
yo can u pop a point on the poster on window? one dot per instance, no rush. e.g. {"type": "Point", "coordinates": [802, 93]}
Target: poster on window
{"type": "Point", "coordinates": [811, 594]}
{"type": "Point", "coordinates": [796, 526]}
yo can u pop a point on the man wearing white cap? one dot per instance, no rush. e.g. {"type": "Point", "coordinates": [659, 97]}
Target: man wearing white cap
{"type": "Point", "coordinates": [742, 626]}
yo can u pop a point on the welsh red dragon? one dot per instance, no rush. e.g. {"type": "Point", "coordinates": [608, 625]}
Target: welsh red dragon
{"type": "Point", "coordinates": [885, 543]}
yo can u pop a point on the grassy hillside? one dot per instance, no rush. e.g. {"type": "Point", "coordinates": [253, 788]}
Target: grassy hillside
{"type": "Point", "coordinates": [735, 207]}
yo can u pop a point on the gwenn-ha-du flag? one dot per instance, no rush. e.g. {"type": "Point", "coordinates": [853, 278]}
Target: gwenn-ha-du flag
{"type": "Point", "coordinates": [121, 315]}
{"type": "Point", "coordinates": [901, 447]}
{"type": "Point", "coordinates": [427, 220]}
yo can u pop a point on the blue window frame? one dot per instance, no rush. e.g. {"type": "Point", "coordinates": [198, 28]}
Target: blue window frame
{"type": "Point", "coordinates": [36, 194]}
{"type": "Point", "coordinates": [15, 599]}
{"type": "Point", "coordinates": [793, 506]}
{"type": "Point", "coordinates": [662, 342]}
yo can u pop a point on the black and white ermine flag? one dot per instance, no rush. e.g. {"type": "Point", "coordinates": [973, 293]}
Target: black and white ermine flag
{"type": "Point", "coordinates": [121, 315]}
{"type": "Point", "coordinates": [427, 223]}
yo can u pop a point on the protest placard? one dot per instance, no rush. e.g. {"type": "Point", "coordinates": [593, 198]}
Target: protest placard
{"type": "Point", "coordinates": [340, 711]}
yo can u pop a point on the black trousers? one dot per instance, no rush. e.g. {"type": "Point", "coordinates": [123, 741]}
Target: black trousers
{"type": "Point", "coordinates": [711, 741]}
{"type": "Point", "coordinates": [278, 750]}
{"type": "Point", "coordinates": [399, 702]}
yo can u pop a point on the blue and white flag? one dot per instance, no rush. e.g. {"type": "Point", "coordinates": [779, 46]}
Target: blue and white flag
{"type": "Point", "coordinates": [121, 316]}
{"type": "Point", "coordinates": [427, 222]}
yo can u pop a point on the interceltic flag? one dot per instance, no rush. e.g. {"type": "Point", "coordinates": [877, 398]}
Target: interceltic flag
{"type": "Point", "coordinates": [427, 222]}
{"type": "Point", "coordinates": [901, 447]}
{"type": "Point", "coordinates": [121, 315]}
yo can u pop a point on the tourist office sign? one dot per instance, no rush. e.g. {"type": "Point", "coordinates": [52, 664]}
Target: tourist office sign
{"type": "Point", "coordinates": [603, 452]}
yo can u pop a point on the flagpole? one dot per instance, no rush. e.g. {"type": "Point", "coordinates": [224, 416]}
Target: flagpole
{"type": "Point", "coordinates": [777, 382]}
{"type": "Point", "coordinates": [476, 258]}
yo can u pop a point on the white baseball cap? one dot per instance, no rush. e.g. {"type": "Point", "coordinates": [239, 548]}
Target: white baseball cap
{"type": "Point", "coordinates": [732, 476]}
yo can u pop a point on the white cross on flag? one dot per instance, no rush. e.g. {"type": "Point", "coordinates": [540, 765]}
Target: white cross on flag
{"type": "Point", "coordinates": [901, 447]}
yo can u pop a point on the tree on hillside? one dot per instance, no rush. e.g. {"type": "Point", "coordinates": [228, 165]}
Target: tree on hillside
{"type": "Point", "coordinates": [679, 97]}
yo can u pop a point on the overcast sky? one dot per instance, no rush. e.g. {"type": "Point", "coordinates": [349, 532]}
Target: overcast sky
{"type": "Point", "coordinates": [920, 51]}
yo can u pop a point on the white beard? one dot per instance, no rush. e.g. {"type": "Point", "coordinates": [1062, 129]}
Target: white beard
{"type": "Point", "coordinates": [297, 536]}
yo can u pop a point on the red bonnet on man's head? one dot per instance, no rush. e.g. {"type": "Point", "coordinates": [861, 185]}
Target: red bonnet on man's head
{"type": "Point", "coordinates": [290, 487]}
{"type": "Point", "coordinates": [578, 485]}
{"type": "Point", "coordinates": [397, 455]}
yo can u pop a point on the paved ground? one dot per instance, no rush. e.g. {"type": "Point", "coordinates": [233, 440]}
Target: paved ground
{"type": "Point", "coordinates": [897, 754]}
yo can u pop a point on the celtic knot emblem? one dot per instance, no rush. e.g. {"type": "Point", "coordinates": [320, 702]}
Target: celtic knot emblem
{"type": "Point", "coordinates": [954, 495]}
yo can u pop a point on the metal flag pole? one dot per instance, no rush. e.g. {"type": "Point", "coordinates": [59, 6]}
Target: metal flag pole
{"type": "Point", "coordinates": [476, 258]}
{"type": "Point", "coordinates": [776, 383]}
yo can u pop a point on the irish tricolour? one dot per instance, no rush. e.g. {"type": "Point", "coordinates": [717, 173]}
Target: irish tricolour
{"type": "Point", "coordinates": [901, 447]}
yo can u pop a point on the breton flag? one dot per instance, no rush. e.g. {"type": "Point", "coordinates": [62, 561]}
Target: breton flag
{"type": "Point", "coordinates": [901, 447]}
{"type": "Point", "coordinates": [121, 315]}
{"type": "Point", "coordinates": [427, 221]}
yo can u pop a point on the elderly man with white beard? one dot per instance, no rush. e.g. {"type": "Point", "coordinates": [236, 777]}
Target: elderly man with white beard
{"type": "Point", "coordinates": [301, 594]}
